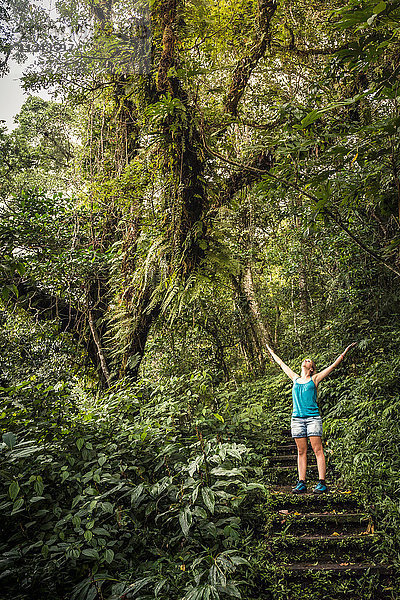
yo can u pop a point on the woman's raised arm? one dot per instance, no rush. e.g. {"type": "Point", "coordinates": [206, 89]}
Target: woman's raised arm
{"type": "Point", "coordinates": [282, 365]}
{"type": "Point", "coordinates": [325, 372]}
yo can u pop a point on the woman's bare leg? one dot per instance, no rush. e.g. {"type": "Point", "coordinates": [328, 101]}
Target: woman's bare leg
{"type": "Point", "coordinates": [316, 445]}
{"type": "Point", "coordinates": [301, 444]}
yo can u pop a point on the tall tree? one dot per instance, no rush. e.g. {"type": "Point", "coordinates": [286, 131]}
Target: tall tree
{"type": "Point", "coordinates": [220, 100]}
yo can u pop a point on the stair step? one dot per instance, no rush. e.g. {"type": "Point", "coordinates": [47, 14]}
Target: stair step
{"type": "Point", "coordinates": [284, 492]}
{"type": "Point", "coordinates": [300, 568]}
{"type": "Point", "coordinates": [282, 498]}
{"type": "Point", "coordinates": [290, 459]}
{"type": "Point", "coordinates": [354, 547]}
{"type": "Point", "coordinates": [332, 523]}
{"type": "Point", "coordinates": [289, 450]}
{"type": "Point", "coordinates": [287, 447]}
{"type": "Point", "coordinates": [291, 467]}
{"type": "Point", "coordinates": [327, 538]}
{"type": "Point", "coordinates": [287, 474]}
{"type": "Point", "coordinates": [338, 583]}
{"type": "Point", "coordinates": [342, 517]}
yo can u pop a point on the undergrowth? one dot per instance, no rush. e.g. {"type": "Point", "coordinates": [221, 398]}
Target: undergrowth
{"type": "Point", "coordinates": [148, 490]}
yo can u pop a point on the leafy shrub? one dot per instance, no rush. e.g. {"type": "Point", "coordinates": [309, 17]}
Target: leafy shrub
{"type": "Point", "coordinates": [130, 499]}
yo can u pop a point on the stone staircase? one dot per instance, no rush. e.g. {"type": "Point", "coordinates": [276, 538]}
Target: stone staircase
{"type": "Point", "coordinates": [319, 546]}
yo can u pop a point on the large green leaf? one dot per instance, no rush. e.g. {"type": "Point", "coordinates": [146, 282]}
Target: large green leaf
{"type": "Point", "coordinates": [9, 439]}
{"type": "Point", "coordinates": [185, 519]}
{"type": "Point", "coordinates": [13, 490]}
{"type": "Point", "coordinates": [17, 505]}
{"type": "Point", "coordinates": [379, 8]}
{"type": "Point", "coordinates": [208, 498]}
{"type": "Point", "coordinates": [91, 553]}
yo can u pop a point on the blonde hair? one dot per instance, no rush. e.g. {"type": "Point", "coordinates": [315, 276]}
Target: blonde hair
{"type": "Point", "coordinates": [313, 366]}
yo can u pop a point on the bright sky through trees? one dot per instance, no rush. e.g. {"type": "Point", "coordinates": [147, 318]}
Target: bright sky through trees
{"type": "Point", "coordinates": [11, 93]}
{"type": "Point", "coordinates": [12, 96]}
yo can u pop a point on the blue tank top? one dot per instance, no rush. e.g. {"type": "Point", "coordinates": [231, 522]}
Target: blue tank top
{"type": "Point", "coordinates": [305, 399]}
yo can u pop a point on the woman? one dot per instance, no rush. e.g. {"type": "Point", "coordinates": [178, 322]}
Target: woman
{"type": "Point", "coordinates": [306, 420]}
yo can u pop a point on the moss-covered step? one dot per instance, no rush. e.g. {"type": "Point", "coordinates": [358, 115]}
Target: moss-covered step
{"type": "Point", "coordinates": [288, 448]}
{"type": "Point", "coordinates": [290, 459]}
{"type": "Point", "coordinates": [287, 474]}
{"type": "Point", "coordinates": [277, 507]}
{"type": "Point", "coordinates": [328, 581]}
{"type": "Point", "coordinates": [302, 569]}
{"type": "Point", "coordinates": [340, 548]}
{"type": "Point", "coordinates": [282, 498]}
{"type": "Point", "coordinates": [329, 523]}
{"type": "Point", "coordinates": [283, 450]}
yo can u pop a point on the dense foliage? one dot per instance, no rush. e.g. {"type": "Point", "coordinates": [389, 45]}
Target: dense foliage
{"type": "Point", "coordinates": [229, 180]}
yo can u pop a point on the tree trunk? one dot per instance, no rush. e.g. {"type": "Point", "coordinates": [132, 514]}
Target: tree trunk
{"type": "Point", "coordinates": [264, 333]}
{"type": "Point", "coordinates": [256, 333]}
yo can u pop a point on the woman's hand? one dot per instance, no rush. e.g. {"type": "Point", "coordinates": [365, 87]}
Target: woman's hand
{"type": "Point", "coordinates": [349, 347]}
{"type": "Point", "coordinates": [322, 374]}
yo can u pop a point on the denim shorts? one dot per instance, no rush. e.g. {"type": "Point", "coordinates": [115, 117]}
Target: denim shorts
{"type": "Point", "coordinates": [306, 427]}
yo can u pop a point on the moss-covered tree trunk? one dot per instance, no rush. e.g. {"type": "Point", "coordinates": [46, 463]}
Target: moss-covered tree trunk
{"type": "Point", "coordinates": [182, 165]}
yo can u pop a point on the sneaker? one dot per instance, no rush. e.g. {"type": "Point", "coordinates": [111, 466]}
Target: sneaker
{"type": "Point", "coordinates": [320, 488]}
{"type": "Point", "coordinates": [300, 488]}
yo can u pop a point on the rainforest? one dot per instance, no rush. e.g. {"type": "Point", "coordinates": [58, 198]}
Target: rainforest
{"type": "Point", "coordinates": [210, 180]}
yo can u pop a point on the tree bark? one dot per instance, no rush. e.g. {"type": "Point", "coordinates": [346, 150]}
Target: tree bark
{"type": "Point", "coordinates": [44, 306]}
{"type": "Point", "coordinates": [100, 352]}
{"type": "Point", "coordinates": [264, 334]}
{"type": "Point", "coordinates": [246, 66]}
{"type": "Point", "coordinates": [256, 334]}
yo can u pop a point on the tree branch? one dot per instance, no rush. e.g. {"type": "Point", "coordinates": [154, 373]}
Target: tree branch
{"type": "Point", "coordinates": [308, 51]}
{"type": "Point", "coordinates": [316, 200]}
{"type": "Point", "coordinates": [246, 65]}
{"type": "Point", "coordinates": [100, 352]}
{"type": "Point", "coordinates": [167, 59]}
{"type": "Point", "coordinates": [44, 306]}
{"type": "Point", "coordinates": [245, 177]}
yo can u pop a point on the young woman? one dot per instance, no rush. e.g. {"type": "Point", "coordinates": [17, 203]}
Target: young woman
{"type": "Point", "coordinates": [306, 419]}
